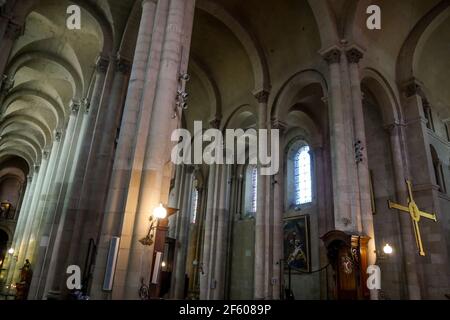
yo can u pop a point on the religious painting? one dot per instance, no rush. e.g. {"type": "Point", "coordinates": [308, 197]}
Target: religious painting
{"type": "Point", "coordinates": [296, 244]}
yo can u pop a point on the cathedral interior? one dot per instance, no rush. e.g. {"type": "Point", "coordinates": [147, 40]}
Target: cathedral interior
{"type": "Point", "coordinates": [93, 207]}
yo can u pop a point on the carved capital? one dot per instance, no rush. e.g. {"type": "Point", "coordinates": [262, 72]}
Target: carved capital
{"type": "Point", "coordinates": [75, 107]}
{"type": "Point", "coordinates": [412, 88]}
{"type": "Point", "coordinates": [279, 125]}
{"type": "Point", "coordinates": [332, 56]}
{"type": "Point", "coordinates": [13, 30]}
{"type": "Point", "coordinates": [215, 123]}
{"type": "Point", "coordinates": [354, 55]}
{"type": "Point", "coordinates": [58, 135]}
{"type": "Point", "coordinates": [262, 96]}
{"type": "Point", "coordinates": [123, 66]}
{"type": "Point", "coordinates": [102, 64]}
{"type": "Point", "coordinates": [7, 83]}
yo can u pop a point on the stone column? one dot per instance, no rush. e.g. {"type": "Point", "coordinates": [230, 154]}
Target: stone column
{"type": "Point", "coordinates": [353, 57]}
{"type": "Point", "coordinates": [65, 210]}
{"type": "Point", "coordinates": [23, 217]}
{"type": "Point", "coordinates": [182, 238]}
{"type": "Point", "coordinates": [130, 217]}
{"type": "Point", "coordinates": [66, 152]}
{"type": "Point", "coordinates": [341, 192]}
{"type": "Point", "coordinates": [260, 219]}
{"type": "Point", "coordinates": [407, 236]}
{"type": "Point", "coordinates": [120, 177]}
{"type": "Point", "coordinates": [221, 244]}
{"type": "Point", "coordinates": [42, 201]}
{"type": "Point", "coordinates": [29, 225]}
{"type": "Point", "coordinates": [278, 215]}
{"type": "Point", "coordinates": [157, 157]}
{"type": "Point", "coordinates": [205, 276]}
{"type": "Point", "coordinates": [91, 203]}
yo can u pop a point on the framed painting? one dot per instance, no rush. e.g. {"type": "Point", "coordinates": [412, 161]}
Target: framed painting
{"type": "Point", "coordinates": [297, 244]}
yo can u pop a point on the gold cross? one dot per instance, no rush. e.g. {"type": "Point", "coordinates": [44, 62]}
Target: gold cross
{"type": "Point", "coordinates": [416, 215]}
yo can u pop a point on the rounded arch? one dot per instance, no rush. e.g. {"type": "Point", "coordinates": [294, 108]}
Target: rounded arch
{"type": "Point", "coordinates": [326, 21]}
{"type": "Point", "coordinates": [387, 98]}
{"type": "Point", "coordinates": [27, 120]}
{"type": "Point", "coordinates": [410, 51]}
{"type": "Point", "coordinates": [212, 90]}
{"type": "Point", "coordinates": [47, 102]}
{"type": "Point", "coordinates": [25, 58]}
{"type": "Point", "coordinates": [246, 38]}
{"type": "Point", "coordinates": [23, 8]}
{"type": "Point", "coordinates": [238, 117]}
{"type": "Point", "coordinates": [285, 96]}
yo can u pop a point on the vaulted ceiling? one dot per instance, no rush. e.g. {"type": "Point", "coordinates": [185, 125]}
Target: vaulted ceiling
{"type": "Point", "coordinates": [237, 47]}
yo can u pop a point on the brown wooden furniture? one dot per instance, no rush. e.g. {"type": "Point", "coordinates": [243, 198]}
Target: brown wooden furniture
{"type": "Point", "coordinates": [347, 255]}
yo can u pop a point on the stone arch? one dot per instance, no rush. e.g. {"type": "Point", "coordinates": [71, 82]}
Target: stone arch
{"type": "Point", "coordinates": [408, 57]}
{"type": "Point", "coordinates": [292, 86]}
{"type": "Point", "coordinates": [246, 38]}
{"type": "Point", "coordinates": [387, 97]}
{"type": "Point", "coordinates": [48, 102]}
{"type": "Point", "coordinates": [22, 59]}
{"type": "Point", "coordinates": [5, 154]}
{"type": "Point", "coordinates": [23, 8]}
{"type": "Point", "coordinates": [129, 38]}
{"type": "Point", "coordinates": [326, 22]}
{"type": "Point", "coordinates": [25, 142]}
{"type": "Point", "coordinates": [28, 120]}
{"type": "Point", "coordinates": [210, 85]}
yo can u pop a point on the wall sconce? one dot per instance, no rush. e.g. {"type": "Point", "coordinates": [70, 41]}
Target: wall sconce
{"type": "Point", "coordinates": [159, 213]}
{"type": "Point", "coordinates": [11, 251]}
{"type": "Point", "coordinates": [386, 253]}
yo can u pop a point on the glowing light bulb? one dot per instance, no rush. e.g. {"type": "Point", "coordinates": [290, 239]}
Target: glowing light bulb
{"type": "Point", "coordinates": [388, 249]}
{"type": "Point", "coordinates": [160, 212]}
{"type": "Point", "coordinates": [163, 264]}
{"type": "Point", "coordinates": [11, 251]}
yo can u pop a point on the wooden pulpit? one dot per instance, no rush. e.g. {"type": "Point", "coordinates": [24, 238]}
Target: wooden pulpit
{"type": "Point", "coordinates": [347, 255]}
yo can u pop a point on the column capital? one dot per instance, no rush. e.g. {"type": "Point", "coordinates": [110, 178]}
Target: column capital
{"type": "Point", "coordinates": [13, 30]}
{"type": "Point", "coordinates": [123, 65]}
{"type": "Point", "coordinates": [75, 106]}
{"type": "Point", "coordinates": [394, 127]}
{"type": "Point", "coordinates": [7, 83]}
{"type": "Point", "coordinates": [215, 123]}
{"type": "Point", "coordinates": [332, 55]}
{"type": "Point", "coordinates": [279, 125]}
{"type": "Point", "coordinates": [102, 64]}
{"type": "Point", "coordinates": [58, 136]}
{"type": "Point", "coordinates": [354, 55]}
{"type": "Point", "coordinates": [262, 96]}
{"type": "Point", "coordinates": [413, 87]}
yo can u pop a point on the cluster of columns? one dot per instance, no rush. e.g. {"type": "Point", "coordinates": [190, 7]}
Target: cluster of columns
{"type": "Point", "coordinates": [351, 183]}
{"type": "Point", "coordinates": [141, 171]}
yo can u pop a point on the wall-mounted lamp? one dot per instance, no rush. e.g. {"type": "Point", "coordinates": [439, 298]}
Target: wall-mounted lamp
{"type": "Point", "coordinates": [387, 251]}
{"type": "Point", "coordinates": [159, 213]}
{"type": "Point", "coordinates": [11, 251]}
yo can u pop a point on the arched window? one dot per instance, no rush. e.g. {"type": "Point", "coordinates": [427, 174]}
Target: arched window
{"type": "Point", "coordinates": [251, 191]}
{"type": "Point", "coordinates": [438, 170]}
{"type": "Point", "coordinates": [194, 207]}
{"type": "Point", "coordinates": [302, 176]}
{"type": "Point", "coordinates": [299, 175]}
{"type": "Point", "coordinates": [254, 189]}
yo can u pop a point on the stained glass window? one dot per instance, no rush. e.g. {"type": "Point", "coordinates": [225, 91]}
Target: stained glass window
{"type": "Point", "coordinates": [194, 208]}
{"type": "Point", "coordinates": [254, 189]}
{"type": "Point", "coordinates": [302, 176]}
